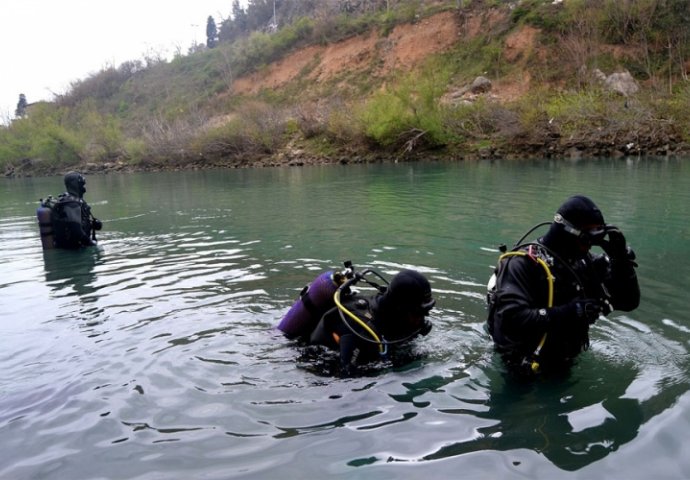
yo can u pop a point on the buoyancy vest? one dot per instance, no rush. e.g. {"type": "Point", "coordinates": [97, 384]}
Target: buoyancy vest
{"type": "Point", "coordinates": [332, 326]}
{"type": "Point", "coordinates": [71, 222]}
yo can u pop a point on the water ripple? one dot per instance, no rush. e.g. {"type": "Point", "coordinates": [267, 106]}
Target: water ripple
{"type": "Point", "coordinates": [156, 354]}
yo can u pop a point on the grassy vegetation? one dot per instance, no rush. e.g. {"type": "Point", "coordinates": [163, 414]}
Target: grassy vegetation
{"type": "Point", "coordinates": [156, 112]}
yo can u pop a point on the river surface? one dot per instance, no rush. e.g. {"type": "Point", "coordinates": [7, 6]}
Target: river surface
{"type": "Point", "coordinates": [155, 355]}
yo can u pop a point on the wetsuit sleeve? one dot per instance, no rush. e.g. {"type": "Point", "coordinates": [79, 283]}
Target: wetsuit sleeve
{"type": "Point", "coordinates": [521, 297]}
{"type": "Point", "coordinates": [348, 353]}
{"type": "Point", "coordinates": [323, 332]}
{"type": "Point", "coordinates": [623, 285]}
{"type": "Point", "coordinates": [347, 345]}
{"type": "Point", "coordinates": [86, 239]}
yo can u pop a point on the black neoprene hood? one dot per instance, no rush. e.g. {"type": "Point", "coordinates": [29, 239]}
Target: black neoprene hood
{"type": "Point", "coordinates": [410, 289]}
{"type": "Point", "coordinates": [581, 211]}
{"type": "Point", "coordinates": [75, 184]}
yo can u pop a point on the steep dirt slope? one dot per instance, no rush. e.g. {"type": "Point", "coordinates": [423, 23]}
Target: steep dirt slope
{"type": "Point", "coordinates": [402, 49]}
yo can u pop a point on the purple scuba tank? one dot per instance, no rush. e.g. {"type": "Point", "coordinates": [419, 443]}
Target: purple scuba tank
{"type": "Point", "coordinates": [45, 225]}
{"type": "Point", "coordinates": [315, 300]}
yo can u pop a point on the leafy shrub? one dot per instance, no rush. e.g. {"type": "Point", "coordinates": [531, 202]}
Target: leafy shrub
{"type": "Point", "coordinates": [676, 110]}
{"type": "Point", "coordinates": [255, 129]}
{"type": "Point", "coordinates": [480, 120]}
{"type": "Point", "coordinates": [408, 114]}
{"type": "Point", "coordinates": [43, 135]}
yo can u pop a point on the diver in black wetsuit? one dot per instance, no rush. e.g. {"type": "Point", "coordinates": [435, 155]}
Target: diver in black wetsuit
{"type": "Point", "coordinates": [363, 328]}
{"type": "Point", "coordinates": [548, 293]}
{"type": "Point", "coordinates": [74, 225]}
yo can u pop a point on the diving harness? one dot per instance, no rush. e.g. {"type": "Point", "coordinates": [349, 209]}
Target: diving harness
{"type": "Point", "coordinates": [533, 360]}
{"type": "Point", "coordinates": [348, 278]}
{"type": "Point", "coordinates": [544, 257]}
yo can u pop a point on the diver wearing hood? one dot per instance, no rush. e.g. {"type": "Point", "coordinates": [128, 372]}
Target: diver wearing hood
{"type": "Point", "coordinates": [74, 225]}
{"type": "Point", "coordinates": [547, 293]}
{"type": "Point", "coordinates": [363, 328]}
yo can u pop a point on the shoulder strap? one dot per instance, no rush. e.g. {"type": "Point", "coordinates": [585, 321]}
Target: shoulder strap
{"type": "Point", "coordinates": [346, 314]}
{"type": "Point", "coordinates": [534, 254]}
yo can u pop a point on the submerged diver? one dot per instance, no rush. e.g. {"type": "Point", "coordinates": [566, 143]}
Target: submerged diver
{"type": "Point", "coordinates": [547, 293]}
{"type": "Point", "coordinates": [67, 222]}
{"type": "Point", "coordinates": [361, 328]}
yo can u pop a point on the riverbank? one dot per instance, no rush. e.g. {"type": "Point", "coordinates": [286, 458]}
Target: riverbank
{"type": "Point", "coordinates": [417, 82]}
{"type": "Point", "coordinates": [548, 145]}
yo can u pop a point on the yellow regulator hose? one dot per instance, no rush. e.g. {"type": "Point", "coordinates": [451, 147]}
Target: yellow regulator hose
{"type": "Point", "coordinates": [336, 298]}
{"type": "Point", "coordinates": [549, 278]}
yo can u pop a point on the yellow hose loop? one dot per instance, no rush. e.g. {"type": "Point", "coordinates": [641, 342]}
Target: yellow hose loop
{"type": "Point", "coordinates": [549, 280]}
{"type": "Point", "coordinates": [336, 298]}
{"type": "Point", "coordinates": [549, 276]}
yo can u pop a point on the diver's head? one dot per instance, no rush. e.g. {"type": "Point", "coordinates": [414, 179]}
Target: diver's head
{"type": "Point", "coordinates": [578, 224]}
{"type": "Point", "coordinates": [405, 304]}
{"type": "Point", "coordinates": [75, 183]}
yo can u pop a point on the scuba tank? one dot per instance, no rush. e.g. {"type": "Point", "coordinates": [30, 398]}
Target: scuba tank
{"type": "Point", "coordinates": [331, 292]}
{"type": "Point", "coordinates": [45, 222]}
{"type": "Point", "coordinates": [315, 300]}
{"type": "Point", "coordinates": [323, 295]}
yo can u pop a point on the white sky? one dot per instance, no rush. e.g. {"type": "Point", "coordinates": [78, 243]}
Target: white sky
{"type": "Point", "coordinates": [47, 44]}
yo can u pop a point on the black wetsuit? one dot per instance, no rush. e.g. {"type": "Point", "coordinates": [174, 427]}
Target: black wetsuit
{"type": "Point", "coordinates": [72, 222]}
{"type": "Point", "coordinates": [519, 315]}
{"type": "Point", "coordinates": [360, 346]}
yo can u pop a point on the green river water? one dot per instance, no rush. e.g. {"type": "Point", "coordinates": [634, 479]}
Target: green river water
{"type": "Point", "coordinates": [155, 355]}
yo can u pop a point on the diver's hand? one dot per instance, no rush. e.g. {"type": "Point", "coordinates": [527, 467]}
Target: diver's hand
{"type": "Point", "coordinates": [586, 310]}
{"type": "Point", "coordinates": [589, 309]}
{"type": "Point", "coordinates": [96, 224]}
{"type": "Point", "coordinates": [615, 247]}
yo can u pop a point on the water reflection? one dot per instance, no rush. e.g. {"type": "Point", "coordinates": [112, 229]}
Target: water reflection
{"type": "Point", "coordinates": [73, 269]}
{"type": "Point", "coordinates": [573, 421]}
{"type": "Point", "coordinates": [160, 357]}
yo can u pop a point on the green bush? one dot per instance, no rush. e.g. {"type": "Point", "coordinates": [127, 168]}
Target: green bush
{"type": "Point", "coordinates": [409, 113]}
{"type": "Point", "coordinates": [135, 151]}
{"type": "Point", "coordinates": [677, 111]}
{"type": "Point", "coordinates": [256, 129]}
{"type": "Point", "coordinates": [103, 137]}
{"type": "Point", "coordinates": [43, 135]}
{"type": "Point", "coordinates": [385, 117]}
{"type": "Point", "coordinates": [343, 127]}
{"type": "Point", "coordinates": [576, 111]}
{"type": "Point", "coordinates": [58, 145]}
{"type": "Point", "coordinates": [480, 120]}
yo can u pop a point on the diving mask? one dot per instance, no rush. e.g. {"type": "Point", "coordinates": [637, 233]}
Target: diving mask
{"type": "Point", "coordinates": [593, 235]}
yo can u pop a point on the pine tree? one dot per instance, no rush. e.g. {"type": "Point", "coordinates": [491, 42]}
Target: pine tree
{"type": "Point", "coordinates": [234, 27]}
{"type": "Point", "coordinates": [211, 32]}
{"type": "Point", "coordinates": [21, 106]}
{"type": "Point", "coordinates": [239, 17]}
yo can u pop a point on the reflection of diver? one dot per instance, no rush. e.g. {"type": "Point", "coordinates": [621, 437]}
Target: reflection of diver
{"type": "Point", "coordinates": [361, 328]}
{"type": "Point", "coordinates": [71, 268]}
{"type": "Point", "coordinates": [573, 422]}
